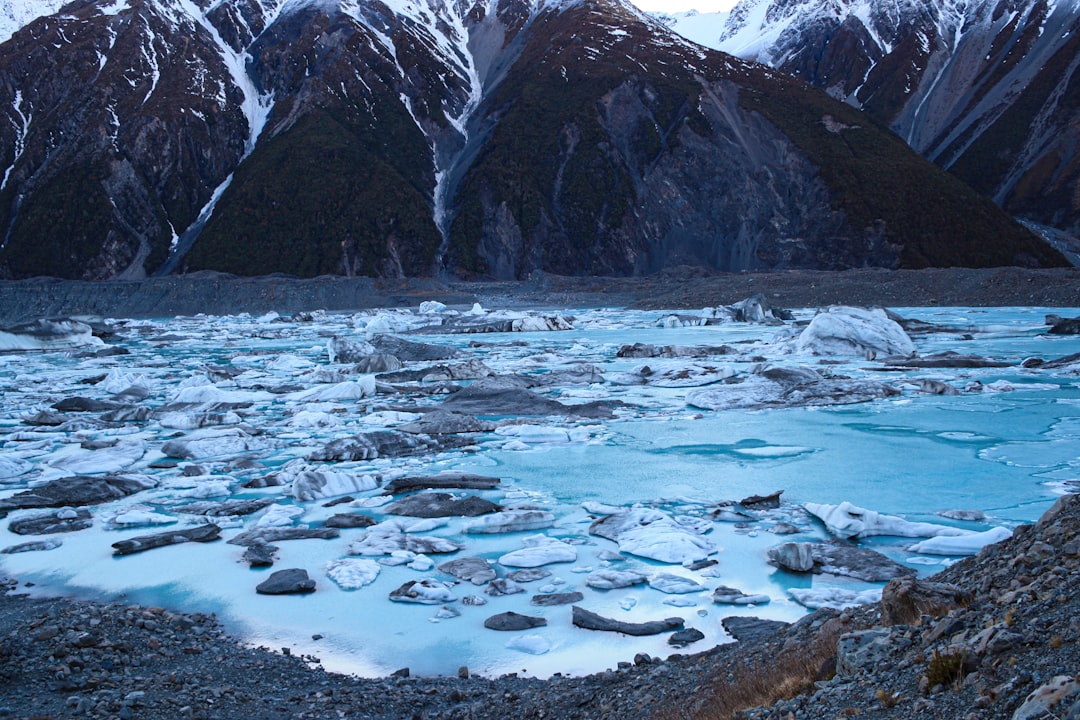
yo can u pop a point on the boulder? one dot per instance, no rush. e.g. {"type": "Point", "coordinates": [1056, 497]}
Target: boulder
{"type": "Point", "coordinates": [906, 599]}
{"type": "Point", "coordinates": [260, 555]}
{"type": "Point", "coordinates": [587, 620]}
{"type": "Point", "coordinates": [682, 638]}
{"type": "Point", "coordinates": [861, 652]}
{"type": "Point", "coordinates": [287, 582]}
{"type": "Point", "coordinates": [514, 621]}
{"type": "Point", "coordinates": [349, 521]}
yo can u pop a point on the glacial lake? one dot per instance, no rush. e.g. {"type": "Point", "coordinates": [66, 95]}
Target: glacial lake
{"type": "Point", "coordinates": [696, 418]}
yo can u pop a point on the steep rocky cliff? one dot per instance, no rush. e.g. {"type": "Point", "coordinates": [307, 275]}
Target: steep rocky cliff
{"type": "Point", "coordinates": [417, 138]}
{"type": "Point", "coordinates": [986, 88]}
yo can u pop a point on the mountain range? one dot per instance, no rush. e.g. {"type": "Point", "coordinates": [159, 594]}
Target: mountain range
{"type": "Point", "coordinates": [988, 89]}
{"type": "Point", "coordinates": [488, 138]}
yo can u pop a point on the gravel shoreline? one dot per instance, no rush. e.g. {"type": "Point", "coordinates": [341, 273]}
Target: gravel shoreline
{"type": "Point", "coordinates": [1015, 625]}
{"type": "Point", "coordinates": [672, 289]}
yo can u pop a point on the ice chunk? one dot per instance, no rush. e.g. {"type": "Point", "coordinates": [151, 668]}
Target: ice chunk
{"type": "Point", "coordinates": [850, 521]}
{"type": "Point", "coordinates": [510, 521]}
{"type": "Point", "coordinates": [539, 550]}
{"type": "Point", "coordinates": [962, 545]}
{"type": "Point", "coordinates": [847, 331]}
{"type": "Point", "coordinates": [674, 584]}
{"type": "Point", "coordinates": [531, 644]}
{"type": "Point", "coordinates": [656, 535]}
{"type": "Point", "coordinates": [834, 597]}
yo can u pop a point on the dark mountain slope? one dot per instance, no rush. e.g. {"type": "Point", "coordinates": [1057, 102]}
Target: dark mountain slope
{"type": "Point", "coordinates": [425, 137]}
{"type": "Point", "coordinates": [616, 151]}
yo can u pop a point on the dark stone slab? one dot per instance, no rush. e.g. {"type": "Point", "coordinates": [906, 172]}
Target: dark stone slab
{"type": "Point", "coordinates": [591, 621]}
{"type": "Point", "coordinates": [514, 621]}
{"type": "Point", "coordinates": [202, 533]}
{"type": "Point", "coordinates": [287, 582]}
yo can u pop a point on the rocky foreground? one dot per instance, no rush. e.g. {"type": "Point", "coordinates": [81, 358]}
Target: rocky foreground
{"type": "Point", "coordinates": [674, 288]}
{"type": "Point", "coordinates": [994, 636]}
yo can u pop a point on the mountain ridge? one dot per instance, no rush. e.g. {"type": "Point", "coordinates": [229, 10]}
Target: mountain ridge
{"type": "Point", "coordinates": [491, 138]}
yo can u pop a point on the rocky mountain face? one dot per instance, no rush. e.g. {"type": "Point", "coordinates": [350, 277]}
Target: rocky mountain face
{"type": "Point", "coordinates": [988, 89]}
{"type": "Point", "coordinates": [419, 137]}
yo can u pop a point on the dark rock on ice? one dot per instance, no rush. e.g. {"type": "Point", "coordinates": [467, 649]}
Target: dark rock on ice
{"type": "Point", "coordinates": [643, 350]}
{"type": "Point", "coordinates": [1063, 326]}
{"type": "Point", "coordinates": [443, 481]}
{"type": "Point", "coordinates": [946, 359]}
{"type": "Point", "coordinates": [349, 520]}
{"type": "Point", "coordinates": [514, 621]}
{"type": "Point", "coordinates": [268, 535]}
{"type": "Point", "coordinates": [413, 351]}
{"type": "Point", "coordinates": [377, 363]}
{"type": "Point", "coordinates": [762, 502]}
{"type": "Point", "coordinates": [78, 490]}
{"type": "Point", "coordinates": [838, 559]}
{"type": "Point", "coordinates": [507, 396]}
{"type": "Point", "coordinates": [46, 418]}
{"type": "Point", "coordinates": [260, 555]}
{"type": "Point", "coordinates": [82, 404]}
{"type": "Point", "coordinates": [59, 521]}
{"type": "Point", "coordinates": [434, 505]}
{"type": "Point", "coordinates": [441, 422]}
{"type": "Point", "coordinates": [682, 638]}
{"type": "Point", "coordinates": [286, 582]}
{"type": "Point", "coordinates": [471, 569]}
{"type": "Point", "coordinates": [383, 444]}
{"type": "Point", "coordinates": [201, 533]}
{"type": "Point", "coordinates": [33, 546]}
{"type": "Point", "coordinates": [583, 618]}
{"type": "Point", "coordinates": [225, 508]}
{"type": "Point", "coordinates": [547, 600]}
{"type": "Point", "coordinates": [751, 629]}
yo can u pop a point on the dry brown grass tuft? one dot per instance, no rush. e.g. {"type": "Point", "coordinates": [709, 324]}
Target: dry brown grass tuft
{"type": "Point", "coordinates": [761, 683]}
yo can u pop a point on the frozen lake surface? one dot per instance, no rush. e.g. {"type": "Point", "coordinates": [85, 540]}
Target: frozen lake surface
{"type": "Point", "coordinates": [622, 442]}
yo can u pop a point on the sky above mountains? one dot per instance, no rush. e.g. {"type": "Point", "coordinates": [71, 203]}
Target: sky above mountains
{"type": "Point", "coordinates": [673, 6]}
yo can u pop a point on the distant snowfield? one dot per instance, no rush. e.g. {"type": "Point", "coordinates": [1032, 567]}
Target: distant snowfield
{"type": "Point", "coordinates": [622, 442]}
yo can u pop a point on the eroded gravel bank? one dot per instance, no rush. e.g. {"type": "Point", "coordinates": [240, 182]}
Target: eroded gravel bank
{"type": "Point", "coordinates": [676, 288]}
